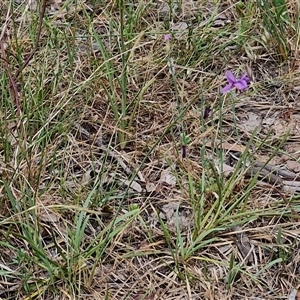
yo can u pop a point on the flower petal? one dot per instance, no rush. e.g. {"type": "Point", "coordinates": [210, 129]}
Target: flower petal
{"type": "Point", "coordinates": [230, 77]}
{"type": "Point", "coordinates": [226, 88]}
{"type": "Point", "coordinates": [246, 77]}
{"type": "Point", "coordinates": [167, 37]}
{"type": "Point", "coordinates": [241, 84]}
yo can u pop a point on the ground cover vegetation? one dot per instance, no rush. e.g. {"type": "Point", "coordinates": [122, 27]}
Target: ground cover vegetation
{"type": "Point", "coordinates": [149, 149]}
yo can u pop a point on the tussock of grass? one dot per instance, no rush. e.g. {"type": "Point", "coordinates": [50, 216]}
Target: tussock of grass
{"type": "Point", "coordinates": [97, 199]}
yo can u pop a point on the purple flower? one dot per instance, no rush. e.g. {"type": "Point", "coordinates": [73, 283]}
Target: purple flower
{"type": "Point", "coordinates": [240, 84]}
{"type": "Point", "coordinates": [167, 37]}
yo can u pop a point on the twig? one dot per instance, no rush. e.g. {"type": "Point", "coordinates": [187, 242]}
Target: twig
{"type": "Point", "coordinates": [13, 86]}
{"type": "Point", "coordinates": [294, 213]}
{"type": "Point", "coordinates": [12, 79]}
{"type": "Point", "coordinates": [37, 40]}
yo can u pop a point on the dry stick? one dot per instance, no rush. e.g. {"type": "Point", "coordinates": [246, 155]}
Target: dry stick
{"type": "Point", "coordinates": [38, 35]}
{"type": "Point", "coordinates": [272, 174]}
{"type": "Point", "coordinates": [13, 86]}
{"type": "Point", "coordinates": [294, 213]}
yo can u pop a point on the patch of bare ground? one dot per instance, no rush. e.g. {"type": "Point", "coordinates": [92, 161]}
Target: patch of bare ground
{"type": "Point", "coordinates": [200, 200]}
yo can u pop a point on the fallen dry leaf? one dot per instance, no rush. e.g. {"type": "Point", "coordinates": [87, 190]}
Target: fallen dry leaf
{"type": "Point", "coordinates": [293, 165]}
{"type": "Point", "coordinates": [169, 213]}
{"type": "Point", "coordinates": [166, 176]}
{"type": "Point", "coordinates": [253, 122]}
{"type": "Point", "coordinates": [49, 217]}
{"type": "Point", "coordinates": [169, 210]}
{"type": "Point", "coordinates": [245, 247]}
{"type": "Point", "coordinates": [227, 170]}
{"type": "Point", "coordinates": [163, 11]}
{"type": "Point", "coordinates": [180, 29]}
{"type": "Point", "coordinates": [150, 187]}
{"type": "Point", "coordinates": [294, 295]}
{"type": "Point", "coordinates": [134, 185]}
